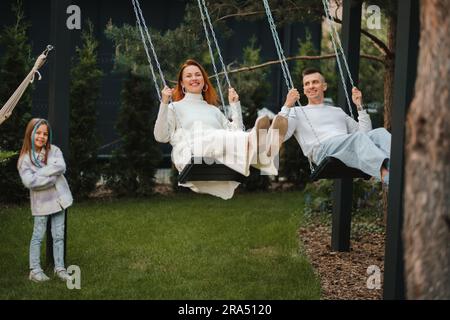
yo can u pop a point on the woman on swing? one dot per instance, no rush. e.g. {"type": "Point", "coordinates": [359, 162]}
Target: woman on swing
{"type": "Point", "coordinates": [195, 127]}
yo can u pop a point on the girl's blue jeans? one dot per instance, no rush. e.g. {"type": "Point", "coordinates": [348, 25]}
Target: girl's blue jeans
{"type": "Point", "coordinates": [40, 227]}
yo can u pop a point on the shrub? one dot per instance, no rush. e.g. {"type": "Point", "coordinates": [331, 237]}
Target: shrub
{"type": "Point", "coordinates": [366, 197]}
{"type": "Point", "coordinates": [11, 186]}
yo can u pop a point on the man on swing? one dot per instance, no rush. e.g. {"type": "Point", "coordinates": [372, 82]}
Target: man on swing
{"type": "Point", "coordinates": [325, 131]}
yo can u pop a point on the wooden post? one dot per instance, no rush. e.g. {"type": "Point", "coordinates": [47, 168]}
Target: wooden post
{"type": "Point", "coordinates": [343, 188]}
{"type": "Point", "coordinates": [58, 114]}
{"type": "Point", "coordinates": [408, 30]}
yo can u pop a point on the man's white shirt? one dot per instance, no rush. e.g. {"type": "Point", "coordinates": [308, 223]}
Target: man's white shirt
{"type": "Point", "coordinates": [326, 121]}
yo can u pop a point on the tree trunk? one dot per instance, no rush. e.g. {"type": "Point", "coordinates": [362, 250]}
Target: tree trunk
{"type": "Point", "coordinates": [427, 162]}
{"type": "Point", "coordinates": [389, 71]}
{"type": "Point", "coordinates": [389, 77]}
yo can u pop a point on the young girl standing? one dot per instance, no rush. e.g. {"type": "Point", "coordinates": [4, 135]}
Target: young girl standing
{"type": "Point", "coordinates": [41, 167]}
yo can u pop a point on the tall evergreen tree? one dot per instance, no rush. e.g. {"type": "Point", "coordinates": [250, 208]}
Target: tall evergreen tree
{"type": "Point", "coordinates": [15, 64]}
{"type": "Point", "coordinates": [134, 163]}
{"type": "Point", "coordinates": [83, 170]}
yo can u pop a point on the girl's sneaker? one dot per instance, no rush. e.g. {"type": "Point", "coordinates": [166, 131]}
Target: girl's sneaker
{"type": "Point", "coordinates": [63, 275]}
{"type": "Point", "coordinates": [38, 276]}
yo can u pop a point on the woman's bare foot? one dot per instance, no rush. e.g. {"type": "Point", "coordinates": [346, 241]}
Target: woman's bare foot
{"type": "Point", "coordinates": [280, 124]}
{"type": "Point", "coordinates": [262, 123]}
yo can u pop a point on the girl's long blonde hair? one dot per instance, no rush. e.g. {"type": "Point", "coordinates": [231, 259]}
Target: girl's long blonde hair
{"type": "Point", "coordinates": [27, 141]}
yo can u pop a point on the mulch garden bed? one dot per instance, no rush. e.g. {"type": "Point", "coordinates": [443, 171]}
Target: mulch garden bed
{"type": "Point", "coordinates": [343, 275]}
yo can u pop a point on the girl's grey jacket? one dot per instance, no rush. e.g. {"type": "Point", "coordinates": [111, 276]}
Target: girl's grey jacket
{"type": "Point", "coordinates": [49, 190]}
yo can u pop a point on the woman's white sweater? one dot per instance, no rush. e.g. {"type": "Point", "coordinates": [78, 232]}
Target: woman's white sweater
{"type": "Point", "coordinates": [191, 123]}
{"type": "Point", "coordinates": [190, 111]}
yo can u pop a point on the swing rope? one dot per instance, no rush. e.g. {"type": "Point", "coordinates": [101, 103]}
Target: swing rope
{"type": "Point", "coordinates": [143, 28]}
{"type": "Point", "coordinates": [224, 68]}
{"type": "Point", "coordinates": [279, 49]}
{"type": "Point", "coordinates": [219, 87]}
{"type": "Point", "coordinates": [326, 4]}
{"type": "Point", "coordinates": [205, 14]}
{"type": "Point", "coordinates": [286, 72]}
{"type": "Point", "coordinates": [285, 69]}
{"type": "Point", "coordinates": [333, 33]}
{"type": "Point", "coordinates": [142, 25]}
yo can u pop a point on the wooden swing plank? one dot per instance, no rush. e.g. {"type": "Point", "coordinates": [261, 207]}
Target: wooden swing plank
{"type": "Point", "coordinates": [333, 168]}
{"type": "Point", "coordinates": [206, 169]}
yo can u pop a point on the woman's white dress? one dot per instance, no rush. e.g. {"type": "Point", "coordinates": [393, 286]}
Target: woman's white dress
{"type": "Point", "coordinates": [195, 128]}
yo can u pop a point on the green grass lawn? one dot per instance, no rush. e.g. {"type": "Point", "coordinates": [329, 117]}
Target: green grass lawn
{"type": "Point", "coordinates": [183, 246]}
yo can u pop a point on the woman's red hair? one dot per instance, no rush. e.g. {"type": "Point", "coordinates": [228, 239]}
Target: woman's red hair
{"type": "Point", "coordinates": [210, 95]}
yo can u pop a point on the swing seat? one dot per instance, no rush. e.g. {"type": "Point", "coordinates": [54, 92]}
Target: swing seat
{"type": "Point", "coordinates": [333, 168]}
{"type": "Point", "coordinates": [208, 170]}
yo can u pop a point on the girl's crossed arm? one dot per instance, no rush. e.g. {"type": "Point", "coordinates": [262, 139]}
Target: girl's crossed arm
{"type": "Point", "coordinates": [55, 164]}
{"type": "Point", "coordinates": [33, 180]}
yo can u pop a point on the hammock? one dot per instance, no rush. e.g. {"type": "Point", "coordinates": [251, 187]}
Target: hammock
{"type": "Point", "coordinates": [8, 108]}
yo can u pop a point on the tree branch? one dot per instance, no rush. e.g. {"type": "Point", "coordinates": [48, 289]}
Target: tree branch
{"type": "Point", "coordinates": [272, 62]}
{"type": "Point", "coordinates": [239, 14]}
{"type": "Point", "coordinates": [379, 44]}
{"type": "Point", "coordinates": [269, 63]}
